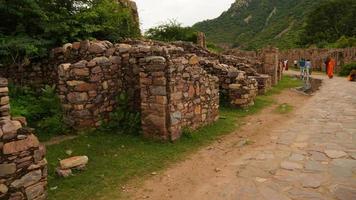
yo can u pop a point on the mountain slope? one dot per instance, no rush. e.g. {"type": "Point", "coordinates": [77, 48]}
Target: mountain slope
{"type": "Point", "coordinates": [252, 24]}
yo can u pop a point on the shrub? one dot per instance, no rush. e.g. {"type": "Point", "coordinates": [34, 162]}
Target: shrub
{"type": "Point", "coordinates": [172, 31]}
{"type": "Point", "coordinates": [42, 110]}
{"type": "Point", "coordinates": [346, 69]}
{"type": "Point", "coordinates": [123, 119]}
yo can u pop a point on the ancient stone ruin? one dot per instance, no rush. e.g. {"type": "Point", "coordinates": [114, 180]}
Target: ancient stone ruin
{"type": "Point", "coordinates": [172, 85]}
{"type": "Point", "coordinates": [318, 56]}
{"type": "Point", "coordinates": [23, 168]}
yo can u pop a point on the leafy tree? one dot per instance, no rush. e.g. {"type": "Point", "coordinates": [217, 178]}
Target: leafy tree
{"type": "Point", "coordinates": [329, 22]}
{"type": "Point", "coordinates": [30, 27]}
{"type": "Point", "coordinates": [172, 31]}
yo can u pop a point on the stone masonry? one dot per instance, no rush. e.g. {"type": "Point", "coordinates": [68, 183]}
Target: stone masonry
{"type": "Point", "coordinates": [89, 75]}
{"type": "Point", "coordinates": [169, 92]}
{"type": "Point", "coordinates": [23, 168]}
{"type": "Point", "coordinates": [176, 94]}
{"type": "Point", "coordinates": [318, 56]}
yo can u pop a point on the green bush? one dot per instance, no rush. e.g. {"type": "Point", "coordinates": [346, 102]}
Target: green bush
{"type": "Point", "coordinates": [29, 28]}
{"type": "Point", "coordinates": [344, 42]}
{"type": "Point", "coordinates": [123, 118]}
{"type": "Point", "coordinates": [346, 69]}
{"type": "Point", "coordinates": [42, 110]}
{"type": "Point", "coordinates": [172, 31]}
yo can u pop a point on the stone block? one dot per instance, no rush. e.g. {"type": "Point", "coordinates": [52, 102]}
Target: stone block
{"type": "Point", "coordinates": [21, 145]}
{"type": "Point", "coordinates": [73, 162]}
{"type": "Point", "coordinates": [77, 97]}
{"type": "Point", "coordinates": [7, 169]}
{"type": "Point", "coordinates": [28, 179]}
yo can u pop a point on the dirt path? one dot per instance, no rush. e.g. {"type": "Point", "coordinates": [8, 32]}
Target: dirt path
{"type": "Point", "coordinates": [211, 165]}
{"type": "Point", "coordinates": [307, 154]}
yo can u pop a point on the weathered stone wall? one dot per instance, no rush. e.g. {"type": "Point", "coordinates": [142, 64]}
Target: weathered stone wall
{"type": "Point", "coordinates": [318, 56]}
{"type": "Point", "coordinates": [271, 67]}
{"type": "Point", "coordinates": [194, 95]}
{"type": "Point", "coordinates": [23, 168]}
{"type": "Point", "coordinates": [201, 40]}
{"type": "Point", "coordinates": [244, 91]}
{"type": "Point", "coordinates": [176, 93]}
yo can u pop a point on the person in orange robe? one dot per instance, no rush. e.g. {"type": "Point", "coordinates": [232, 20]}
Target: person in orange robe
{"type": "Point", "coordinates": [331, 67]}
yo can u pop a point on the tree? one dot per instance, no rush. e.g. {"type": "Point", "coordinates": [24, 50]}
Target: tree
{"type": "Point", "coordinates": [30, 27]}
{"type": "Point", "coordinates": [172, 31]}
{"type": "Point", "coordinates": [330, 21]}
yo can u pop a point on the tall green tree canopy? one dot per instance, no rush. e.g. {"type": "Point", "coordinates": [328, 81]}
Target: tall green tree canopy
{"type": "Point", "coordinates": [329, 22]}
{"type": "Point", "coordinates": [30, 27]}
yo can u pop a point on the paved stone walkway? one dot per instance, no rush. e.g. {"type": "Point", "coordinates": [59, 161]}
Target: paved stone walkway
{"type": "Point", "coordinates": [313, 156]}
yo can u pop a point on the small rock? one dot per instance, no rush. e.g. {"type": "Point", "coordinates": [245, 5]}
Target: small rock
{"type": "Point", "coordinates": [73, 162]}
{"type": "Point", "coordinates": [69, 152]}
{"type": "Point", "coordinates": [3, 189]}
{"type": "Point", "coordinates": [63, 172]}
{"type": "Point", "coordinates": [335, 154]}
{"type": "Point", "coordinates": [21, 137]}
{"type": "Point", "coordinates": [53, 188]}
{"type": "Point", "coordinates": [261, 180]}
{"type": "Point", "coordinates": [154, 173]}
{"type": "Point", "coordinates": [217, 170]}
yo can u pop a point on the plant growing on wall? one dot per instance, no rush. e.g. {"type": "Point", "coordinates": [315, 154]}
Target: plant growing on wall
{"type": "Point", "coordinates": [123, 119]}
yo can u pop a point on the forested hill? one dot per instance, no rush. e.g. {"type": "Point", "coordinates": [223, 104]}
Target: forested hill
{"type": "Point", "coordinates": [252, 24]}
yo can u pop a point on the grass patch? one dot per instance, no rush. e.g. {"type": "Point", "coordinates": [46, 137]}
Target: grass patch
{"type": "Point", "coordinates": [116, 158]}
{"type": "Point", "coordinates": [284, 108]}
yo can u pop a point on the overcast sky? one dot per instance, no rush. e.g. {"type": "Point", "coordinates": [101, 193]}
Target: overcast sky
{"type": "Point", "coordinates": [188, 12]}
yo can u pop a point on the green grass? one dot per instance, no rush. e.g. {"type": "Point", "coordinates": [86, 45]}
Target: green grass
{"type": "Point", "coordinates": [284, 108]}
{"type": "Point", "coordinates": [115, 158]}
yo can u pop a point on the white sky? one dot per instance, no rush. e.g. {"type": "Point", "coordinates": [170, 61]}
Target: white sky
{"type": "Point", "coordinates": [187, 12]}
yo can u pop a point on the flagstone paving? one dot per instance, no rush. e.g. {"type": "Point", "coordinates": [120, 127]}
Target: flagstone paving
{"type": "Point", "coordinates": [319, 147]}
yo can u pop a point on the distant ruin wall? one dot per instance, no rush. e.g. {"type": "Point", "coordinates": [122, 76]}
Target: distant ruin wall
{"type": "Point", "coordinates": [318, 56]}
{"type": "Point", "coordinates": [23, 168]}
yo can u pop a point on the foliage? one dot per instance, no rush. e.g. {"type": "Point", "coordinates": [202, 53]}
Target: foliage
{"type": "Point", "coordinates": [214, 48]}
{"type": "Point", "coordinates": [29, 28]}
{"type": "Point", "coordinates": [277, 22]}
{"type": "Point", "coordinates": [329, 22]}
{"type": "Point", "coordinates": [343, 42]}
{"type": "Point", "coordinates": [123, 119]}
{"type": "Point", "coordinates": [42, 110]}
{"type": "Point", "coordinates": [346, 69]}
{"type": "Point", "coordinates": [172, 31]}
{"type": "Point", "coordinates": [117, 158]}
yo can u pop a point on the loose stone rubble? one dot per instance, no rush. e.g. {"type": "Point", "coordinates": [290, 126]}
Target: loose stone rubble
{"type": "Point", "coordinates": [67, 165]}
{"type": "Point", "coordinates": [23, 168]}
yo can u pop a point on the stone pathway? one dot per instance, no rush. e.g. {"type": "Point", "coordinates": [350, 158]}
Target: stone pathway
{"type": "Point", "coordinates": [310, 157]}
{"type": "Point", "coordinates": [313, 156]}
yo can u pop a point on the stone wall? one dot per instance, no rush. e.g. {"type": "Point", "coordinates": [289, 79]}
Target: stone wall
{"type": "Point", "coordinates": [201, 40]}
{"type": "Point", "coordinates": [23, 168]}
{"type": "Point", "coordinates": [90, 75]}
{"type": "Point", "coordinates": [318, 56]}
{"type": "Point", "coordinates": [270, 66]}
{"type": "Point", "coordinates": [194, 95]}
{"type": "Point", "coordinates": [176, 93]}
{"type": "Point", "coordinates": [88, 88]}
